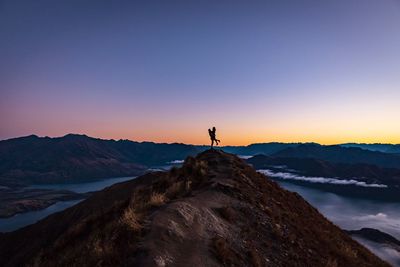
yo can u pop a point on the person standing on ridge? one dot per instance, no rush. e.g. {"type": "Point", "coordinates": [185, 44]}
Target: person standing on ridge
{"type": "Point", "coordinates": [213, 137]}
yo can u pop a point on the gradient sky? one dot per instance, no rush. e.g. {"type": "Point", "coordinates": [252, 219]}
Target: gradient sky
{"type": "Point", "coordinates": [165, 71]}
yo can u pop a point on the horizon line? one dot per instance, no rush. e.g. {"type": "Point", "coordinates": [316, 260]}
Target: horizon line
{"type": "Point", "coordinates": [193, 144]}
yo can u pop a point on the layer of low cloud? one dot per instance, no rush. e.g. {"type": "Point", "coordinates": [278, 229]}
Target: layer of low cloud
{"type": "Point", "coordinates": [383, 251]}
{"type": "Point", "coordinates": [378, 216]}
{"type": "Point", "coordinates": [177, 161]}
{"type": "Point", "coordinates": [321, 180]}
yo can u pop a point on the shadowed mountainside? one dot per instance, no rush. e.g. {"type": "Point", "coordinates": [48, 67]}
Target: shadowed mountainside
{"type": "Point", "coordinates": [77, 158]}
{"type": "Point", "coordinates": [387, 148]}
{"type": "Point", "coordinates": [339, 154]}
{"type": "Point", "coordinates": [262, 148]}
{"type": "Point", "coordinates": [214, 211]}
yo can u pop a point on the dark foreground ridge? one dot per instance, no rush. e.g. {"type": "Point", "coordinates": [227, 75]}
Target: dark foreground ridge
{"type": "Point", "coordinates": [214, 211]}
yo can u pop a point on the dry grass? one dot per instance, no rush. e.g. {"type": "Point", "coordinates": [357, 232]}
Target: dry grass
{"type": "Point", "coordinates": [188, 185]}
{"type": "Point", "coordinates": [196, 168]}
{"type": "Point", "coordinates": [255, 258]}
{"type": "Point", "coordinates": [348, 251]}
{"type": "Point", "coordinates": [331, 263]}
{"type": "Point", "coordinates": [133, 215]}
{"type": "Point", "coordinates": [202, 167]}
{"type": "Point", "coordinates": [174, 190]}
{"type": "Point", "coordinates": [157, 199]}
{"type": "Point", "coordinates": [98, 247]}
{"type": "Point", "coordinates": [228, 214]}
{"type": "Point", "coordinates": [131, 218]}
{"type": "Point", "coordinates": [223, 251]}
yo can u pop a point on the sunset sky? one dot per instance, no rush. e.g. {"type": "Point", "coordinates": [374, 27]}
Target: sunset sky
{"type": "Point", "coordinates": [165, 71]}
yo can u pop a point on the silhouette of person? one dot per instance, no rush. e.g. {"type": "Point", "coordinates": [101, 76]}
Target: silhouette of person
{"type": "Point", "coordinates": [213, 136]}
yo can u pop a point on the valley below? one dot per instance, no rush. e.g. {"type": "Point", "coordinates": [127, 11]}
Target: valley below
{"type": "Point", "coordinates": [20, 207]}
{"type": "Point", "coordinates": [20, 200]}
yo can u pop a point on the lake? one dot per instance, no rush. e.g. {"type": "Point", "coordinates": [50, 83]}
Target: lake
{"type": "Point", "coordinates": [84, 187]}
{"type": "Point", "coordinates": [20, 220]}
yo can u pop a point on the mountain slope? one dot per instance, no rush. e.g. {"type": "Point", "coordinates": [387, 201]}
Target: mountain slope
{"type": "Point", "coordinates": [76, 158]}
{"type": "Point", "coordinates": [216, 210]}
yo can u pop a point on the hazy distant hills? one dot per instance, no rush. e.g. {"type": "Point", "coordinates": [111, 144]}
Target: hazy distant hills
{"type": "Point", "coordinates": [339, 154]}
{"type": "Point", "coordinates": [387, 148]}
{"type": "Point", "coordinates": [263, 148]}
{"type": "Point", "coordinates": [213, 211]}
{"type": "Point", "coordinates": [75, 158]}
{"type": "Point", "coordinates": [274, 147]}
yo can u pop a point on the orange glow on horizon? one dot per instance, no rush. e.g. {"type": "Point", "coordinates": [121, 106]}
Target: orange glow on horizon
{"type": "Point", "coordinates": [242, 140]}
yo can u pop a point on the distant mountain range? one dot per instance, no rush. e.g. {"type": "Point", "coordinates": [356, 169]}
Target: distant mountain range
{"type": "Point", "coordinates": [274, 147]}
{"type": "Point", "coordinates": [77, 158]}
{"type": "Point", "coordinates": [386, 148]}
{"type": "Point", "coordinates": [339, 154]}
{"type": "Point", "coordinates": [255, 149]}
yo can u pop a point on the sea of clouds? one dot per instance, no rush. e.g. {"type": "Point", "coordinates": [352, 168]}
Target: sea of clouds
{"type": "Point", "coordinates": [383, 251]}
{"type": "Point", "coordinates": [177, 161]}
{"type": "Point", "coordinates": [321, 180]}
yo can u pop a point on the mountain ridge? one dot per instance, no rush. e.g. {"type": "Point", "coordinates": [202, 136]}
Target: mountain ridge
{"type": "Point", "coordinates": [77, 158]}
{"type": "Point", "coordinates": [339, 154]}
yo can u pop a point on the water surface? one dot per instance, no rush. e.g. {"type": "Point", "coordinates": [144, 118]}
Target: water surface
{"type": "Point", "coordinates": [20, 220]}
{"type": "Point", "coordinates": [84, 187]}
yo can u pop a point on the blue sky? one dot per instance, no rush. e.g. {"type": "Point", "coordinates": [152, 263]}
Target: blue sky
{"type": "Point", "coordinates": [324, 71]}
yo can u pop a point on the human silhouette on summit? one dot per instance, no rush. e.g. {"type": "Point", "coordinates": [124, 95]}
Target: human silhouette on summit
{"type": "Point", "coordinates": [213, 137]}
